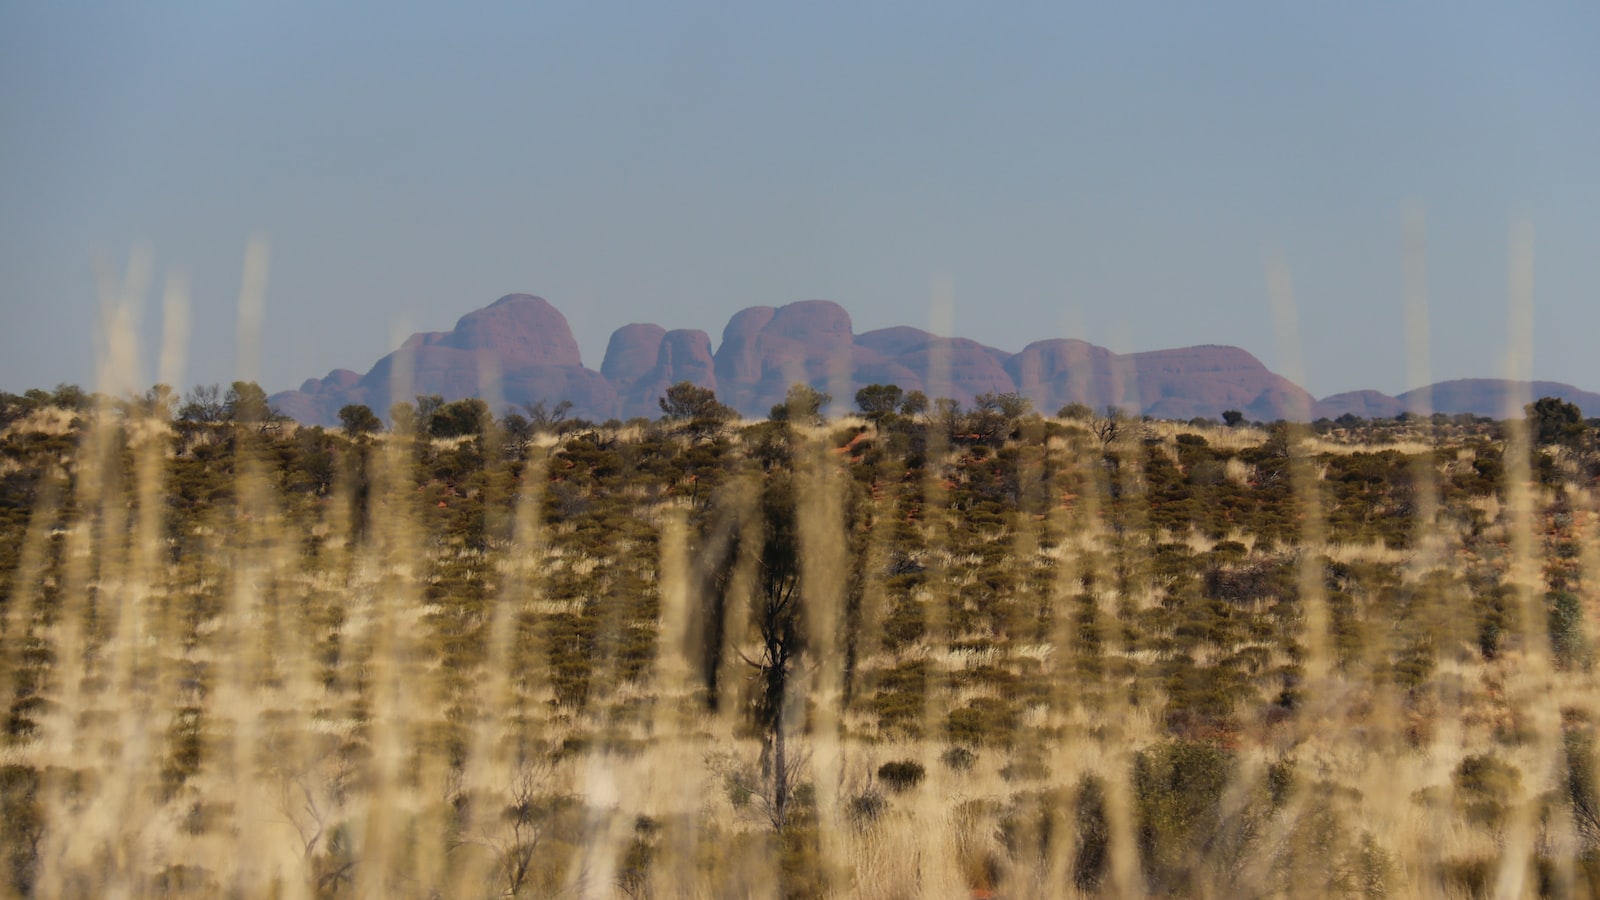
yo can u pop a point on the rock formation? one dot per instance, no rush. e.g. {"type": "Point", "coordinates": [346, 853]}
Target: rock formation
{"type": "Point", "coordinates": [683, 355]}
{"type": "Point", "coordinates": [520, 350]}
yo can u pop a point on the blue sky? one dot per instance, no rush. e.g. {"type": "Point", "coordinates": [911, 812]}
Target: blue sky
{"type": "Point", "coordinates": [1117, 174]}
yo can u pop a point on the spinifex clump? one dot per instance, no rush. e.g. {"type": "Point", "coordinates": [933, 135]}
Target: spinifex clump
{"type": "Point", "coordinates": [957, 653]}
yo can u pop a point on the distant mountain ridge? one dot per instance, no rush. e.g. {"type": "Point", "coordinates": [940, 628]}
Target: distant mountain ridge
{"type": "Point", "coordinates": [1478, 396]}
{"type": "Point", "coordinates": [520, 349]}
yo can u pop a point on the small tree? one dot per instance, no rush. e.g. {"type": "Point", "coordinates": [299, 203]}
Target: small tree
{"type": "Point", "coordinates": [427, 405]}
{"type": "Point", "coordinates": [947, 415]}
{"type": "Point", "coordinates": [13, 407]}
{"type": "Point", "coordinates": [546, 419]}
{"type": "Point", "coordinates": [697, 406]}
{"type": "Point", "coordinates": [1110, 427]}
{"type": "Point", "coordinates": [778, 615]}
{"type": "Point", "coordinates": [994, 415]}
{"type": "Point", "coordinates": [161, 401]}
{"type": "Point", "coordinates": [878, 401]}
{"type": "Point", "coordinates": [460, 418]}
{"type": "Point", "coordinates": [203, 404]}
{"type": "Point", "coordinates": [403, 418]}
{"type": "Point", "coordinates": [1232, 418]}
{"type": "Point", "coordinates": [1075, 411]}
{"type": "Point", "coordinates": [358, 419]}
{"type": "Point", "coordinates": [1552, 420]}
{"type": "Point", "coordinates": [803, 403]}
{"type": "Point", "coordinates": [915, 404]}
{"type": "Point", "coordinates": [516, 429]}
{"type": "Point", "coordinates": [1012, 405]}
{"type": "Point", "coordinates": [768, 550]}
{"type": "Point", "coordinates": [70, 396]}
{"type": "Point", "coordinates": [246, 403]}
{"type": "Point", "coordinates": [687, 400]}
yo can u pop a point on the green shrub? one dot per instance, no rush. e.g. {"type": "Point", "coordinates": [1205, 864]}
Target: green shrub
{"type": "Point", "coordinates": [22, 826]}
{"type": "Point", "coordinates": [958, 759]}
{"type": "Point", "coordinates": [1568, 644]}
{"type": "Point", "coordinates": [1178, 787]}
{"type": "Point", "coordinates": [984, 721]}
{"type": "Point", "coordinates": [901, 775]}
{"type": "Point", "coordinates": [864, 808]}
{"type": "Point", "coordinates": [1486, 787]}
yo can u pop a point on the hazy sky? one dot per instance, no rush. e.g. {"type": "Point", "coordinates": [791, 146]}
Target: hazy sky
{"type": "Point", "coordinates": [1120, 173]}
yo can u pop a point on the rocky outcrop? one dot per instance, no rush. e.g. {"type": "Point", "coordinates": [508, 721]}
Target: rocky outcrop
{"type": "Point", "coordinates": [1365, 404]}
{"type": "Point", "coordinates": [1496, 397]}
{"type": "Point", "coordinates": [1492, 397]}
{"type": "Point", "coordinates": [1186, 383]}
{"type": "Point", "coordinates": [1057, 372]}
{"type": "Point", "coordinates": [764, 350]}
{"type": "Point", "coordinates": [515, 328]}
{"type": "Point", "coordinates": [683, 355]}
{"type": "Point", "coordinates": [1203, 381]}
{"type": "Point", "coordinates": [956, 367]}
{"type": "Point", "coordinates": [631, 353]}
{"type": "Point", "coordinates": [938, 366]}
{"type": "Point", "coordinates": [520, 350]}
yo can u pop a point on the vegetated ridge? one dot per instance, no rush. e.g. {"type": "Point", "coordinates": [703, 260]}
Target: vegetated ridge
{"type": "Point", "coordinates": [523, 345]}
{"type": "Point", "coordinates": [980, 653]}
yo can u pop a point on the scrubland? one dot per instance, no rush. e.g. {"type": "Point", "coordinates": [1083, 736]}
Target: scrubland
{"type": "Point", "coordinates": [888, 658]}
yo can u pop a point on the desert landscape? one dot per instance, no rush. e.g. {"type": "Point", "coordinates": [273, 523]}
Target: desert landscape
{"type": "Point", "coordinates": [925, 648]}
{"type": "Point", "coordinates": [816, 451]}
